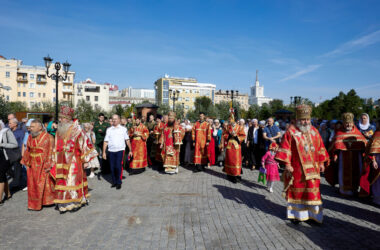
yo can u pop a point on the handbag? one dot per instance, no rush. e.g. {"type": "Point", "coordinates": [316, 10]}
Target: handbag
{"type": "Point", "coordinates": [14, 154]}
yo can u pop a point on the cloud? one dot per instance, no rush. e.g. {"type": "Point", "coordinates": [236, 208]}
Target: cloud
{"type": "Point", "coordinates": [356, 44]}
{"type": "Point", "coordinates": [368, 86]}
{"type": "Point", "coordinates": [301, 72]}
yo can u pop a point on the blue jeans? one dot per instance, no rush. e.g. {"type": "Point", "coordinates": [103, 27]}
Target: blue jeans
{"type": "Point", "coordinates": [115, 159]}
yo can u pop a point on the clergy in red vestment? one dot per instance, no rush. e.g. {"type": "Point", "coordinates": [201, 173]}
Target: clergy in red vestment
{"type": "Point", "coordinates": [72, 154]}
{"type": "Point", "coordinates": [234, 135]}
{"type": "Point", "coordinates": [138, 134]}
{"type": "Point", "coordinates": [157, 131]}
{"type": "Point", "coordinates": [201, 135]}
{"type": "Point", "coordinates": [303, 153]}
{"type": "Point", "coordinates": [170, 144]}
{"type": "Point", "coordinates": [38, 160]}
{"type": "Point", "coordinates": [347, 148]}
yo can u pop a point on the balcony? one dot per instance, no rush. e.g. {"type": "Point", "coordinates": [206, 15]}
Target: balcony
{"type": "Point", "coordinates": [23, 77]}
{"type": "Point", "coordinates": [67, 91]}
{"type": "Point", "coordinates": [41, 79]}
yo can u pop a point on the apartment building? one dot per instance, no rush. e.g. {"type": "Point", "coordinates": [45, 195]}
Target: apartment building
{"type": "Point", "coordinates": [96, 94]}
{"type": "Point", "coordinates": [29, 84]}
{"type": "Point", "coordinates": [242, 99]}
{"type": "Point", "coordinates": [188, 90]}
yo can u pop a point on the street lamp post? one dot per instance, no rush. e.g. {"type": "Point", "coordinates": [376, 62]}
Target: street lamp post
{"type": "Point", "coordinates": [174, 96]}
{"type": "Point", "coordinates": [57, 77]}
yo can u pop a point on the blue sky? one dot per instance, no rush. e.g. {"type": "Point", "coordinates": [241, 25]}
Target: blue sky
{"type": "Point", "coordinates": [305, 48]}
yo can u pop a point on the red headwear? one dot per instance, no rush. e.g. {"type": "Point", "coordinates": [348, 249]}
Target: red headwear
{"type": "Point", "coordinates": [66, 112]}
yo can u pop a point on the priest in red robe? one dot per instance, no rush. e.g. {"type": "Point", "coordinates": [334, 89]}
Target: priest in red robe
{"type": "Point", "coordinates": [304, 155]}
{"type": "Point", "coordinates": [170, 144]}
{"type": "Point", "coordinates": [72, 154]}
{"type": "Point", "coordinates": [233, 136]}
{"type": "Point", "coordinates": [347, 149]}
{"type": "Point", "coordinates": [38, 158]}
{"type": "Point", "coordinates": [201, 135]}
{"type": "Point", "coordinates": [138, 134]}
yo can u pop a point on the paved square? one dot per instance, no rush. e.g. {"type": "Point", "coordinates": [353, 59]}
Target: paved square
{"type": "Point", "coordinates": [188, 211]}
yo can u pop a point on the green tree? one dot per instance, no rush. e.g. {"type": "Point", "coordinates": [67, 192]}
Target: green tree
{"type": "Point", "coordinates": [265, 112]}
{"type": "Point", "coordinates": [275, 105]}
{"type": "Point", "coordinates": [118, 109]}
{"type": "Point", "coordinates": [180, 111]}
{"type": "Point", "coordinates": [253, 111]}
{"type": "Point", "coordinates": [163, 109]}
{"type": "Point", "coordinates": [5, 109]}
{"type": "Point", "coordinates": [17, 107]}
{"type": "Point", "coordinates": [84, 111]}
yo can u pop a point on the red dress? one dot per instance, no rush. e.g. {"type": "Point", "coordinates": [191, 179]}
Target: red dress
{"type": "Point", "coordinates": [211, 150]}
{"type": "Point", "coordinates": [271, 166]}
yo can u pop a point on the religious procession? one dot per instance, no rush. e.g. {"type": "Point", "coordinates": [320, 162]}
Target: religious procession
{"type": "Point", "coordinates": [53, 161]}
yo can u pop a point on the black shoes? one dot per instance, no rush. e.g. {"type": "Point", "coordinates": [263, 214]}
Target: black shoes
{"type": "Point", "coordinates": [113, 185]}
{"type": "Point", "coordinates": [118, 186]}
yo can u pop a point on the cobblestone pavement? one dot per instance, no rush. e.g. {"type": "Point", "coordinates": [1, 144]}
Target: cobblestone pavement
{"type": "Point", "coordinates": [188, 211]}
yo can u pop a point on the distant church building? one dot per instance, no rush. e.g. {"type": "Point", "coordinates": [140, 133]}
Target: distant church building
{"type": "Point", "coordinates": [257, 94]}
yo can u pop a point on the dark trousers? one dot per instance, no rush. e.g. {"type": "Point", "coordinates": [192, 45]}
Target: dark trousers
{"type": "Point", "coordinates": [115, 159]}
{"type": "Point", "coordinates": [19, 180]}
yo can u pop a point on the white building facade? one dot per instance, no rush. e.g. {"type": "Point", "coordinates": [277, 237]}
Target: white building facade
{"type": "Point", "coordinates": [257, 94]}
{"type": "Point", "coordinates": [97, 95]}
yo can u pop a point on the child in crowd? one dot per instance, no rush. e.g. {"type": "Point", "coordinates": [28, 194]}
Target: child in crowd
{"type": "Point", "coordinates": [271, 166]}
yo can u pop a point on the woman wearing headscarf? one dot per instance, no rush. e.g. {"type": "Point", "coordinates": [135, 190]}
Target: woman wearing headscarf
{"type": "Point", "coordinates": [365, 127]}
{"type": "Point", "coordinates": [7, 141]}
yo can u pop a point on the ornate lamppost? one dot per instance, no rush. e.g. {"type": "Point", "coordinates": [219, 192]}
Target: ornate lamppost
{"type": "Point", "coordinates": [57, 77]}
{"type": "Point", "coordinates": [232, 95]}
{"type": "Point", "coordinates": [173, 94]}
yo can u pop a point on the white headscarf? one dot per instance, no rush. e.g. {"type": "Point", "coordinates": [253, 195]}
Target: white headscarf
{"type": "Point", "coordinates": [3, 129]}
{"type": "Point", "coordinates": [361, 125]}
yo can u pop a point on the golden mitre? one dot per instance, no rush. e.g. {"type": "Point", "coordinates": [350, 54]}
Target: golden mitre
{"type": "Point", "coordinates": [348, 117]}
{"type": "Point", "coordinates": [303, 112]}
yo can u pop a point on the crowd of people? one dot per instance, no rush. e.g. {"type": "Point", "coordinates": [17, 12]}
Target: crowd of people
{"type": "Point", "coordinates": [52, 161]}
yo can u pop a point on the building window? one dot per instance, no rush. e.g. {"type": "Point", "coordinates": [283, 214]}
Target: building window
{"type": "Point", "coordinates": [187, 99]}
{"type": "Point", "coordinates": [39, 94]}
{"type": "Point", "coordinates": [87, 98]}
{"type": "Point", "coordinates": [44, 95]}
{"type": "Point", "coordinates": [179, 98]}
{"type": "Point", "coordinates": [53, 99]}
{"type": "Point", "coordinates": [24, 94]}
{"type": "Point", "coordinates": [7, 97]}
{"type": "Point", "coordinates": [31, 76]}
{"type": "Point", "coordinates": [19, 85]}
{"type": "Point", "coordinates": [24, 85]}
{"type": "Point", "coordinates": [96, 98]}
{"type": "Point", "coordinates": [19, 94]}
{"type": "Point", "coordinates": [31, 103]}
{"type": "Point", "coordinates": [54, 91]}
{"type": "Point", "coordinates": [68, 78]}
{"type": "Point", "coordinates": [7, 74]}
{"type": "Point", "coordinates": [193, 99]}
{"type": "Point", "coordinates": [31, 94]}
{"type": "Point", "coordinates": [186, 106]}
{"type": "Point", "coordinates": [31, 85]}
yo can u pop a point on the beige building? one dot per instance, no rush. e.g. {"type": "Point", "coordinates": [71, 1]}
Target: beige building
{"type": "Point", "coordinates": [96, 94]}
{"type": "Point", "coordinates": [188, 89]}
{"type": "Point", "coordinates": [29, 84]}
{"type": "Point", "coordinates": [242, 99]}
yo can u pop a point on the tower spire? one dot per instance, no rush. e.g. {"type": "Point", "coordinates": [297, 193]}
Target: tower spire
{"type": "Point", "coordinates": [257, 78]}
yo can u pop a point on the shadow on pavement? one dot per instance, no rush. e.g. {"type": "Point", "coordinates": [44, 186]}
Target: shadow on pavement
{"type": "Point", "coordinates": [243, 181]}
{"type": "Point", "coordinates": [252, 200]}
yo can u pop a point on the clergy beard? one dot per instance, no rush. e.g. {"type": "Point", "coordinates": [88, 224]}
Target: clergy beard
{"type": "Point", "coordinates": [170, 124]}
{"type": "Point", "coordinates": [35, 134]}
{"type": "Point", "coordinates": [303, 128]}
{"type": "Point", "coordinates": [63, 127]}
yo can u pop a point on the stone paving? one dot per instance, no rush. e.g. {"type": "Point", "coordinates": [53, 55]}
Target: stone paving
{"type": "Point", "coordinates": [188, 211]}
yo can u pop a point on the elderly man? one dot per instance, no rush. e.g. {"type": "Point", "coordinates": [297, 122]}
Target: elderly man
{"type": "Point", "coordinates": [253, 144]}
{"type": "Point", "coordinates": [201, 135]}
{"type": "Point", "coordinates": [170, 144]}
{"type": "Point", "coordinates": [138, 134]}
{"type": "Point", "coordinates": [347, 147]}
{"type": "Point", "coordinates": [271, 133]}
{"type": "Point", "coordinates": [18, 180]}
{"type": "Point", "coordinates": [303, 154]}
{"type": "Point", "coordinates": [38, 158]}
{"type": "Point", "coordinates": [72, 153]}
{"type": "Point", "coordinates": [116, 139]}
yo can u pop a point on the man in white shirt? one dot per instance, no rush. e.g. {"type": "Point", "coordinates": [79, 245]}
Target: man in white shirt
{"type": "Point", "coordinates": [116, 138]}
